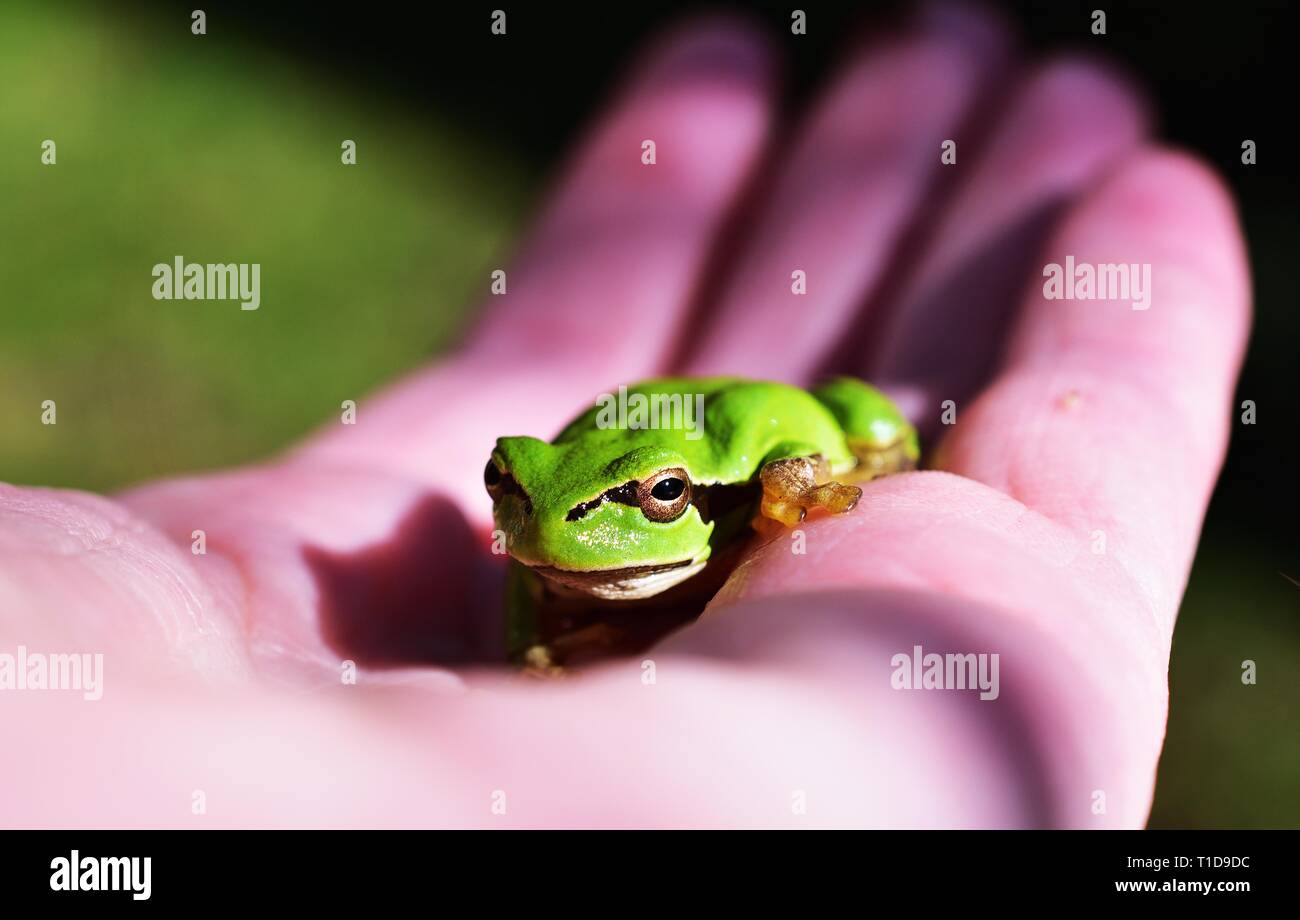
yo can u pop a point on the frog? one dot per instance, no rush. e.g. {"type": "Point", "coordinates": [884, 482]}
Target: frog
{"type": "Point", "coordinates": [622, 523]}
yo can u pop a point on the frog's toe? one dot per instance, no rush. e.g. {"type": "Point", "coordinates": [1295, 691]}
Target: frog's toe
{"type": "Point", "coordinates": [836, 497]}
{"type": "Point", "coordinates": [783, 512]}
{"type": "Point", "coordinates": [538, 662]}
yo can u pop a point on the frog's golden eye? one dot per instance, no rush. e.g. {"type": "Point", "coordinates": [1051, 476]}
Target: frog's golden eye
{"type": "Point", "coordinates": [665, 496]}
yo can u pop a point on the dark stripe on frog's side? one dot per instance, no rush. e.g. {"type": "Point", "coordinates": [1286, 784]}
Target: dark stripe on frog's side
{"type": "Point", "coordinates": [713, 501]}
{"type": "Point", "coordinates": [626, 494]}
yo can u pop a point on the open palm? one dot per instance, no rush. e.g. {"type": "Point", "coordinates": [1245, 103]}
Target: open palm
{"type": "Point", "coordinates": [1055, 528]}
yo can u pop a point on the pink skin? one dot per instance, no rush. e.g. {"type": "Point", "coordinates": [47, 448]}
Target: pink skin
{"type": "Point", "coordinates": [370, 542]}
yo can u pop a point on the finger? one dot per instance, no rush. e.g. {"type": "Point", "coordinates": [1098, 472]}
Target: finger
{"type": "Point", "coordinates": [1111, 420]}
{"type": "Point", "coordinates": [850, 190]}
{"type": "Point", "coordinates": [940, 339]}
{"type": "Point", "coordinates": [597, 290]}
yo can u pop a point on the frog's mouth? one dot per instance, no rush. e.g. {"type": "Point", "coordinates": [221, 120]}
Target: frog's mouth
{"type": "Point", "coordinates": [625, 584]}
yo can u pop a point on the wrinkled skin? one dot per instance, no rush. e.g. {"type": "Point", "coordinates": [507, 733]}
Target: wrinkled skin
{"type": "Point", "coordinates": [370, 542]}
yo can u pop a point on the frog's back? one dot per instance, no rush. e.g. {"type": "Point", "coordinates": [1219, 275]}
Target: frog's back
{"type": "Point", "coordinates": [754, 419]}
{"type": "Point", "coordinates": [742, 422]}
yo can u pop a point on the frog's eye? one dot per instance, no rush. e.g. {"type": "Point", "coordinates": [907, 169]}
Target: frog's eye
{"type": "Point", "coordinates": [492, 479]}
{"type": "Point", "coordinates": [665, 496]}
{"type": "Point", "coordinates": [500, 482]}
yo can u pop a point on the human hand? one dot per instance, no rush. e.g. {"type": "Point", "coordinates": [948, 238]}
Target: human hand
{"type": "Point", "coordinates": [369, 542]}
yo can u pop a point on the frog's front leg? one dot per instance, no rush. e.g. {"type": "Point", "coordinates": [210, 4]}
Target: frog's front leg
{"type": "Point", "coordinates": [524, 645]}
{"type": "Point", "coordinates": [534, 642]}
{"type": "Point", "coordinates": [793, 485]}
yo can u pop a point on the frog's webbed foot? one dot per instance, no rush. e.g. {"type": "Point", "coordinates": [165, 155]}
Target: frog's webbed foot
{"type": "Point", "coordinates": [538, 662]}
{"type": "Point", "coordinates": [545, 660]}
{"type": "Point", "coordinates": [793, 485]}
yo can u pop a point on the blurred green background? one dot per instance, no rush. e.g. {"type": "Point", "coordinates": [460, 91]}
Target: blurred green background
{"type": "Point", "coordinates": [222, 151]}
{"type": "Point", "coordinates": [226, 148]}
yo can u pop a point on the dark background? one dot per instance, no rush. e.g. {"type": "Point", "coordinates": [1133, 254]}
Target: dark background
{"type": "Point", "coordinates": [1216, 73]}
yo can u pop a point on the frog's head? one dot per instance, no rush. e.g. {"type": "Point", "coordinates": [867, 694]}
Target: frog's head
{"type": "Point", "coordinates": [617, 523]}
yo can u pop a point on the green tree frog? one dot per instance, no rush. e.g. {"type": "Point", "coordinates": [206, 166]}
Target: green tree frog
{"type": "Point", "coordinates": [623, 525]}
